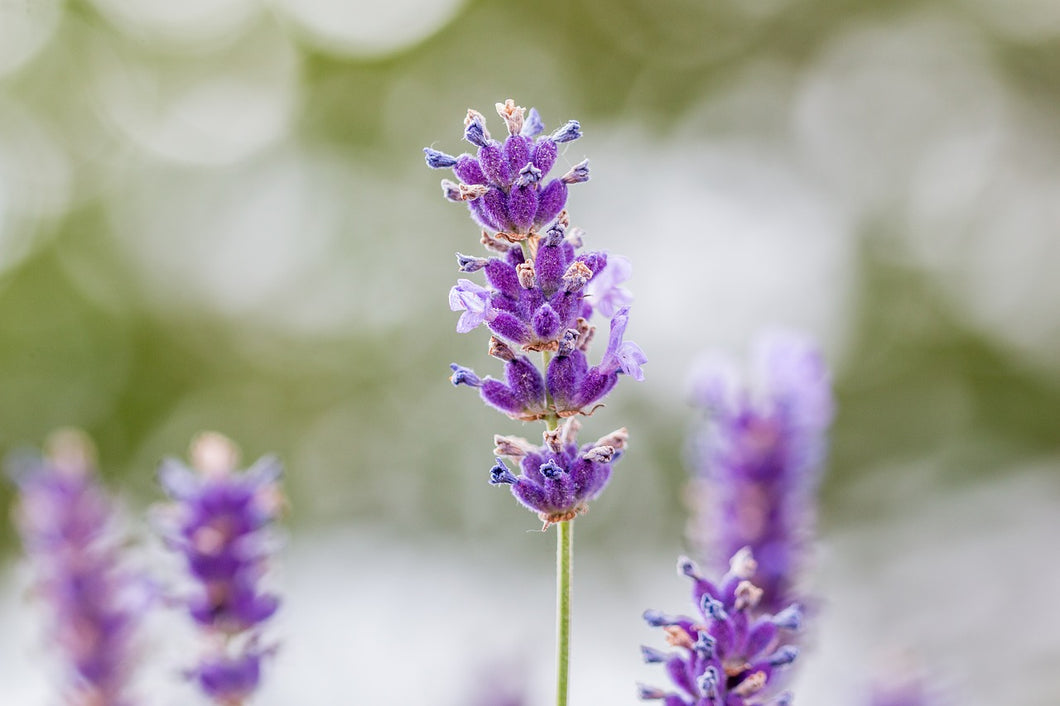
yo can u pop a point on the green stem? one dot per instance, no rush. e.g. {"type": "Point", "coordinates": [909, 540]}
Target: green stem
{"type": "Point", "coordinates": [564, 541]}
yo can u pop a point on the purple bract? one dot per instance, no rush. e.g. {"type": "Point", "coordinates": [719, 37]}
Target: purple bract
{"type": "Point", "coordinates": [728, 654]}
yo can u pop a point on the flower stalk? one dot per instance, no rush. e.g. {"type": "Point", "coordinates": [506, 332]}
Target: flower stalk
{"type": "Point", "coordinates": [564, 554]}
{"type": "Point", "coordinates": [541, 295]}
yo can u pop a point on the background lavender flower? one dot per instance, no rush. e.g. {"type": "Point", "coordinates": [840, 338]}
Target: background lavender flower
{"type": "Point", "coordinates": [759, 457]}
{"type": "Point", "coordinates": [220, 522]}
{"type": "Point", "coordinates": [67, 526]}
{"type": "Point", "coordinates": [727, 654]}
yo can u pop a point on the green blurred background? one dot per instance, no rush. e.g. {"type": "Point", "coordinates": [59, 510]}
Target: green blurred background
{"type": "Point", "coordinates": [215, 214]}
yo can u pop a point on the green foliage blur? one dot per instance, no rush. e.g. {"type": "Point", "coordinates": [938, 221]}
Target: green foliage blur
{"type": "Point", "coordinates": [359, 406]}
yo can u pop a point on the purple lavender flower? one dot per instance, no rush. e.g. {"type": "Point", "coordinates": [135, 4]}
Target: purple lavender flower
{"type": "Point", "coordinates": [729, 654]}
{"type": "Point", "coordinates": [760, 456]}
{"type": "Point", "coordinates": [220, 522]}
{"type": "Point", "coordinates": [504, 183]}
{"type": "Point", "coordinates": [558, 478]}
{"type": "Point", "coordinates": [67, 526]}
{"type": "Point", "coordinates": [541, 291]}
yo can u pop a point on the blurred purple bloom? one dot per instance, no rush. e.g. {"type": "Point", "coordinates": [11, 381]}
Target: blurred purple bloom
{"type": "Point", "coordinates": [66, 522]}
{"type": "Point", "coordinates": [729, 653]}
{"type": "Point", "coordinates": [759, 459]}
{"type": "Point", "coordinates": [559, 478]}
{"type": "Point", "coordinates": [220, 521]}
{"type": "Point", "coordinates": [604, 290]}
{"type": "Point", "coordinates": [229, 680]}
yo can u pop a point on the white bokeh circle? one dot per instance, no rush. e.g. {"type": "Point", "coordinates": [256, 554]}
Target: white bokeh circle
{"type": "Point", "coordinates": [365, 28]}
{"type": "Point", "coordinates": [209, 109]}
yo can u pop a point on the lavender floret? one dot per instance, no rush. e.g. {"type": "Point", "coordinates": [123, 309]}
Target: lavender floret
{"type": "Point", "coordinates": [67, 525]}
{"type": "Point", "coordinates": [559, 478]}
{"type": "Point", "coordinates": [220, 520]}
{"type": "Point", "coordinates": [520, 201]}
{"type": "Point", "coordinates": [759, 459]}
{"type": "Point", "coordinates": [730, 654]}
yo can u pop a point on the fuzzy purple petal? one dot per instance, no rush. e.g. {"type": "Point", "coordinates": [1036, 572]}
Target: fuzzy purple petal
{"type": "Point", "coordinates": [544, 154]}
{"type": "Point", "coordinates": [522, 206]}
{"type": "Point", "coordinates": [508, 326]}
{"type": "Point", "coordinates": [469, 171]}
{"type": "Point", "coordinates": [550, 202]}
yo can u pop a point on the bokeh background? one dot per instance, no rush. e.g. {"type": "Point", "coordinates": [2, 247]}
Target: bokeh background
{"type": "Point", "coordinates": [214, 214]}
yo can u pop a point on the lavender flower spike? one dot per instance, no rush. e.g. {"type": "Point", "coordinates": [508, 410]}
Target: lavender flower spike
{"type": "Point", "coordinates": [536, 300]}
{"type": "Point", "coordinates": [759, 459]}
{"type": "Point", "coordinates": [67, 526]}
{"type": "Point", "coordinates": [220, 520]}
{"type": "Point", "coordinates": [729, 653]}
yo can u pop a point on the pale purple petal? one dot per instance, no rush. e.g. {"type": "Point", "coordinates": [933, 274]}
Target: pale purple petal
{"type": "Point", "coordinates": [604, 290]}
{"type": "Point", "coordinates": [630, 358]}
{"type": "Point", "coordinates": [473, 300]}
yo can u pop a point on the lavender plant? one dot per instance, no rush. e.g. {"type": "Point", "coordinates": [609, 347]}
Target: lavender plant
{"type": "Point", "coordinates": [540, 296]}
{"type": "Point", "coordinates": [220, 521]}
{"type": "Point", "coordinates": [759, 457]}
{"type": "Point", "coordinates": [95, 603]}
{"type": "Point", "coordinates": [729, 653]}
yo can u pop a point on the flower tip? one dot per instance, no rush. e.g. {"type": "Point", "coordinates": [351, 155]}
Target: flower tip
{"type": "Point", "coordinates": [790, 618]}
{"type": "Point", "coordinates": [551, 470]}
{"type": "Point", "coordinates": [214, 454]}
{"type": "Point", "coordinates": [686, 567]}
{"type": "Point", "coordinates": [438, 160]}
{"type": "Point", "coordinates": [784, 655]}
{"type": "Point", "coordinates": [71, 451]}
{"type": "Point", "coordinates": [464, 376]}
{"type": "Point", "coordinates": [513, 115]}
{"type": "Point", "coordinates": [469, 263]}
{"type": "Point", "coordinates": [475, 130]}
{"type": "Point", "coordinates": [500, 475]}
{"type": "Point", "coordinates": [650, 693]}
{"type": "Point", "coordinates": [578, 174]}
{"type": "Point", "coordinates": [532, 124]}
{"type": "Point", "coordinates": [652, 655]}
{"type": "Point", "coordinates": [656, 619]}
{"type": "Point", "coordinates": [571, 131]}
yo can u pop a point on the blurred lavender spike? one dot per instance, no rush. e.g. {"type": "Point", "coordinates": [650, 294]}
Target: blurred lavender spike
{"type": "Point", "coordinates": [67, 525]}
{"type": "Point", "coordinates": [220, 520]}
{"type": "Point", "coordinates": [758, 459]}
